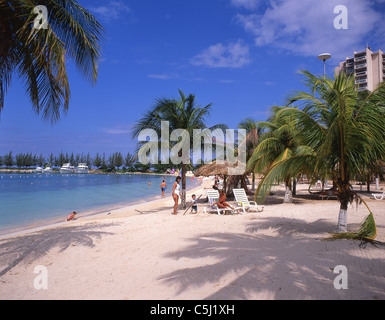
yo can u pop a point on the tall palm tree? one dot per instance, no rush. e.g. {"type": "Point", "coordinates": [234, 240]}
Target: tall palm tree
{"type": "Point", "coordinates": [253, 132]}
{"type": "Point", "coordinates": [39, 56]}
{"type": "Point", "coordinates": [340, 133]}
{"type": "Point", "coordinates": [182, 113]}
{"type": "Point", "coordinates": [277, 144]}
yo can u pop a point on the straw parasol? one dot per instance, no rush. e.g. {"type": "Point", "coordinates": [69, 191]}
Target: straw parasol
{"type": "Point", "coordinates": [221, 168]}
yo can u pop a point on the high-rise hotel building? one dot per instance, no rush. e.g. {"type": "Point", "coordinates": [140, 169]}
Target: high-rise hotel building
{"type": "Point", "coordinates": [368, 68]}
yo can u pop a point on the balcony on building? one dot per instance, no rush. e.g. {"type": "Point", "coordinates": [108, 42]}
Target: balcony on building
{"type": "Point", "coordinates": [350, 63]}
{"type": "Point", "coordinates": [362, 88]}
{"type": "Point", "coordinates": [361, 73]}
{"type": "Point", "coordinates": [360, 81]}
{"type": "Point", "coordinates": [360, 59]}
{"type": "Point", "coordinates": [360, 65]}
{"type": "Point", "coordinates": [349, 70]}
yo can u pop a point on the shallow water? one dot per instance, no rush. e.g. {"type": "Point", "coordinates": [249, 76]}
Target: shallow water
{"type": "Point", "coordinates": [29, 199]}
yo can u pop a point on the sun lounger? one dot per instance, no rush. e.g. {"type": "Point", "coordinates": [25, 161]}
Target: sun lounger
{"type": "Point", "coordinates": [213, 197]}
{"type": "Point", "coordinates": [378, 196]}
{"type": "Point", "coordinates": [328, 194]}
{"type": "Point", "coordinates": [243, 201]}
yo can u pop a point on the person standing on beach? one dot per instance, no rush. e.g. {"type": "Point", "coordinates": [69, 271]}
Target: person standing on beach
{"type": "Point", "coordinates": [163, 187]}
{"type": "Point", "coordinates": [176, 193]}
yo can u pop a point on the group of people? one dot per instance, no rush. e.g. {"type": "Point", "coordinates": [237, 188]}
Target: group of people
{"type": "Point", "coordinates": [221, 202]}
{"type": "Point", "coordinates": [176, 194]}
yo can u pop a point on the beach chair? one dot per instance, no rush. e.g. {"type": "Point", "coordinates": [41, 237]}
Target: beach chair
{"type": "Point", "coordinates": [379, 196]}
{"type": "Point", "coordinates": [328, 194]}
{"type": "Point", "coordinates": [243, 201]}
{"type": "Point", "coordinates": [213, 196]}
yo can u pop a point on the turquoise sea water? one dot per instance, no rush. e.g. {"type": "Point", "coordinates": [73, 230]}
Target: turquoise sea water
{"type": "Point", "coordinates": [28, 200]}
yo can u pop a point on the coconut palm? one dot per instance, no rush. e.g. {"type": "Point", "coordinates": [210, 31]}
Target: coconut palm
{"type": "Point", "coordinates": [339, 132]}
{"type": "Point", "coordinates": [182, 113]}
{"type": "Point", "coordinates": [277, 144]}
{"type": "Point", "coordinates": [39, 56]}
{"type": "Point", "coordinates": [253, 132]}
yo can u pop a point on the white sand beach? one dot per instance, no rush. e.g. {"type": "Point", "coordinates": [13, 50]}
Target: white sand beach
{"type": "Point", "coordinates": [143, 252]}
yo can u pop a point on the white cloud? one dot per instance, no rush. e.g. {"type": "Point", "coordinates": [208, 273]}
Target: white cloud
{"type": "Point", "coordinates": [307, 27]}
{"type": "Point", "coordinates": [233, 55]}
{"type": "Point", "coordinates": [111, 11]}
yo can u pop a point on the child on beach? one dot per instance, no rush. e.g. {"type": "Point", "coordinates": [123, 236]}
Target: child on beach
{"type": "Point", "coordinates": [194, 207]}
{"type": "Point", "coordinates": [71, 216]}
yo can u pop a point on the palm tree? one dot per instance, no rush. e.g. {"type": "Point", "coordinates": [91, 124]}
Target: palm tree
{"type": "Point", "coordinates": [277, 144]}
{"type": "Point", "coordinates": [182, 113]}
{"type": "Point", "coordinates": [39, 55]}
{"type": "Point", "coordinates": [340, 133]}
{"type": "Point", "coordinates": [253, 131]}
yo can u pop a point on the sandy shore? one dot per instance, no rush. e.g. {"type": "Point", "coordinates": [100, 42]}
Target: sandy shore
{"type": "Point", "coordinates": [144, 252]}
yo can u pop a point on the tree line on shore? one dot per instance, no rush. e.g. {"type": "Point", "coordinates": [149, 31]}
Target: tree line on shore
{"type": "Point", "coordinates": [113, 161]}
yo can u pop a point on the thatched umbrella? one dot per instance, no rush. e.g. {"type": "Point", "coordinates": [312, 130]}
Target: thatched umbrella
{"type": "Point", "coordinates": [222, 168]}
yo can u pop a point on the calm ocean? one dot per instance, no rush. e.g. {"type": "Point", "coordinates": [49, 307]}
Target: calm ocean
{"type": "Point", "coordinates": [28, 200]}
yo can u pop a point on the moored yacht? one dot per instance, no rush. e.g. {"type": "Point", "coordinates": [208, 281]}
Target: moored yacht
{"type": "Point", "coordinates": [82, 168]}
{"type": "Point", "coordinates": [47, 170]}
{"type": "Point", "coordinates": [67, 168]}
{"type": "Point", "coordinates": [38, 170]}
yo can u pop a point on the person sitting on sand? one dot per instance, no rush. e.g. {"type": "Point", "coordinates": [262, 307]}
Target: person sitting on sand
{"type": "Point", "coordinates": [71, 216]}
{"type": "Point", "coordinates": [221, 203]}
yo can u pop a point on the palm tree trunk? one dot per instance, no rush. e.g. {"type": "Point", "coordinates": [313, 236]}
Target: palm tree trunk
{"type": "Point", "coordinates": [294, 186]}
{"type": "Point", "coordinates": [343, 217]}
{"type": "Point", "coordinates": [288, 193]}
{"type": "Point", "coordinates": [183, 200]}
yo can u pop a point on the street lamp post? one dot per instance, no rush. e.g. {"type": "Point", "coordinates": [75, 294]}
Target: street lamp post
{"type": "Point", "coordinates": [324, 57]}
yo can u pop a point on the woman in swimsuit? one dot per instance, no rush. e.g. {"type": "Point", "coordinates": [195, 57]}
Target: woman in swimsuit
{"type": "Point", "coordinates": [176, 193]}
{"type": "Point", "coordinates": [221, 202]}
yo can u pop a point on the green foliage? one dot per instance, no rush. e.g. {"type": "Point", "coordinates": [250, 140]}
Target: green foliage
{"type": "Point", "coordinates": [330, 131]}
{"type": "Point", "coordinates": [367, 231]}
{"type": "Point", "coordinates": [39, 56]}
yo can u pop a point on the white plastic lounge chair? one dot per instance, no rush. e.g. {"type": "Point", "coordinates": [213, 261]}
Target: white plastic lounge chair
{"type": "Point", "coordinates": [379, 196]}
{"type": "Point", "coordinates": [243, 201]}
{"type": "Point", "coordinates": [213, 196]}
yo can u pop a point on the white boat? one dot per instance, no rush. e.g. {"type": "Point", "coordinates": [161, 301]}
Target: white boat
{"type": "Point", "coordinates": [38, 170]}
{"type": "Point", "coordinates": [67, 168]}
{"type": "Point", "coordinates": [82, 168]}
{"type": "Point", "coordinates": [47, 170]}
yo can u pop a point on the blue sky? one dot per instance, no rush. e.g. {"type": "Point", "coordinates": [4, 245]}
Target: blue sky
{"type": "Point", "coordinates": [240, 55]}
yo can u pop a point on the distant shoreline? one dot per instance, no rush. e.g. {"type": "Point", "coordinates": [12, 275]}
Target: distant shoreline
{"type": "Point", "coordinates": [92, 171]}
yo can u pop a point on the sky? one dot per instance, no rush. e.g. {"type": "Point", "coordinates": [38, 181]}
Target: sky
{"type": "Point", "coordinates": [242, 56]}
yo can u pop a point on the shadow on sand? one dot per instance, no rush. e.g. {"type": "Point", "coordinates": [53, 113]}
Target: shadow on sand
{"type": "Point", "coordinates": [31, 247]}
{"type": "Point", "coordinates": [254, 265]}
